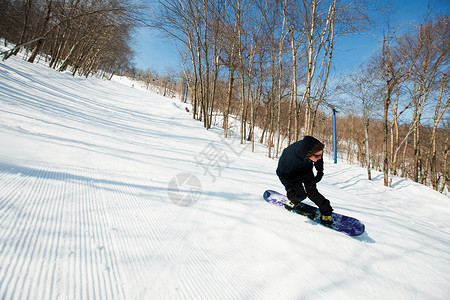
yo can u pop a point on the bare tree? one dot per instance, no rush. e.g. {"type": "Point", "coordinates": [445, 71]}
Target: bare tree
{"type": "Point", "coordinates": [430, 81]}
{"type": "Point", "coordinates": [361, 87]}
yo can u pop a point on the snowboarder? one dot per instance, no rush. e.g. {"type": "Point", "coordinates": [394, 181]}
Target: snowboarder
{"type": "Point", "coordinates": [295, 170]}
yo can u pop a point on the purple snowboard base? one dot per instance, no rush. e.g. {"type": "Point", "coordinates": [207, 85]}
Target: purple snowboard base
{"type": "Point", "coordinates": [341, 223]}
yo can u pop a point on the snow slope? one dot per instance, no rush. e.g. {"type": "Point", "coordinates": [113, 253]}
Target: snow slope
{"type": "Point", "coordinates": [88, 176]}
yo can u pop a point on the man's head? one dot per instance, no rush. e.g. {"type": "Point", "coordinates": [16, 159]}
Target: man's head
{"type": "Point", "coordinates": [309, 147]}
{"type": "Point", "coordinates": [316, 152]}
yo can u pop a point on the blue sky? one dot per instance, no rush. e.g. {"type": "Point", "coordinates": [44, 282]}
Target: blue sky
{"type": "Point", "coordinates": [154, 52]}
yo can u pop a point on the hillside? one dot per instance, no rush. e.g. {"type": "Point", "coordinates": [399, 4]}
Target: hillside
{"type": "Point", "coordinates": [89, 207]}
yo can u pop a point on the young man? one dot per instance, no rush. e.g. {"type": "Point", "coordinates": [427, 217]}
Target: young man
{"type": "Point", "coordinates": [295, 170]}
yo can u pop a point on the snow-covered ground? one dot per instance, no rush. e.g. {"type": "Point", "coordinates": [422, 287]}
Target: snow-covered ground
{"type": "Point", "coordinates": [108, 191]}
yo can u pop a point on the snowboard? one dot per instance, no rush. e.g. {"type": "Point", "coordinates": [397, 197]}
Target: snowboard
{"type": "Point", "coordinates": [341, 223]}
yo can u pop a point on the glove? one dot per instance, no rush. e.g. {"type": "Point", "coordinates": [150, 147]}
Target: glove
{"type": "Point", "coordinates": [318, 176]}
{"type": "Point", "coordinates": [319, 168]}
{"type": "Point", "coordinates": [326, 220]}
{"type": "Point", "coordinates": [319, 165]}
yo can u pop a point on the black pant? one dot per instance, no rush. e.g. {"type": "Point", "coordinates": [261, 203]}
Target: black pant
{"type": "Point", "coordinates": [300, 190]}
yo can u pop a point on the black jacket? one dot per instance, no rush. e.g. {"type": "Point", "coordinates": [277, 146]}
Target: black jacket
{"type": "Point", "coordinates": [294, 167]}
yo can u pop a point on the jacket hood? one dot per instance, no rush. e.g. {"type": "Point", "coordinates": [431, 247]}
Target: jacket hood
{"type": "Point", "coordinates": [305, 146]}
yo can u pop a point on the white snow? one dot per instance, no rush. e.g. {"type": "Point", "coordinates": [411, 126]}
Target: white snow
{"type": "Point", "coordinates": [85, 213]}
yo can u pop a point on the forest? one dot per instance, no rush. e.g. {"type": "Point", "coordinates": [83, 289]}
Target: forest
{"type": "Point", "coordinates": [82, 36]}
{"type": "Point", "coordinates": [266, 69]}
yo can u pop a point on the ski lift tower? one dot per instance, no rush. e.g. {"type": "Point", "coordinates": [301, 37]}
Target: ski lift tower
{"type": "Point", "coordinates": [334, 135]}
{"type": "Point", "coordinates": [185, 93]}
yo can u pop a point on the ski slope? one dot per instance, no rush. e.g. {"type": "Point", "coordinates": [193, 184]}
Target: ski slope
{"type": "Point", "coordinates": [109, 191]}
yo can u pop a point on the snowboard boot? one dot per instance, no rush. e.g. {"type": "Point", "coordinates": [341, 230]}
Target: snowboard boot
{"type": "Point", "coordinates": [326, 220]}
{"type": "Point", "coordinates": [290, 205]}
